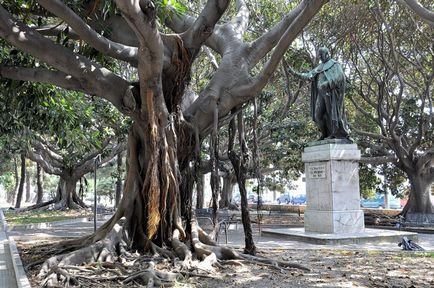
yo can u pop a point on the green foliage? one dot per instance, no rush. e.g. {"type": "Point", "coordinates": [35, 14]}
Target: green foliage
{"type": "Point", "coordinates": [73, 122]}
{"type": "Point", "coordinates": [7, 180]}
{"type": "Point", "coordinates": [50, 186]}
{"type": "Point", "coordinates": [395, 181]}
{"type": "Point", "coordinates": [369, 182]}
{"type": "Point", "coordinates": [168, 8]}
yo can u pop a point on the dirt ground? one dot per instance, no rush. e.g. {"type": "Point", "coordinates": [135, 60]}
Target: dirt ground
{"type": "Point", "coordinates": [329, 268]}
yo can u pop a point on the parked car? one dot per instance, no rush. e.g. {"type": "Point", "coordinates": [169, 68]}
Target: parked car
{"type": "Point", "coordinates": [378, 202]}
{"type": "Point", "coordinates": [298, 200]}
{"type": "Point", "coordinates": [236, 199]}
{"type": "Point", "coordinates": [284, 198]}
{"type": "Point", "coordinates": [254, 199]}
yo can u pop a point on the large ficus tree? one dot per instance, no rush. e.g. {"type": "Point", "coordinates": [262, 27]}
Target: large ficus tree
{"type": "Point", "coordinates": [157, 201]}
{"type": "Point", "coordinates": [394, 80]}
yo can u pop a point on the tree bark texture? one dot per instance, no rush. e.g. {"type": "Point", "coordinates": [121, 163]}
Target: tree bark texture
{"type": "Point", "coordinates": [200, 199]}
{"type": "Point", "coordinates": [28, 185]}
{"type": "Point", "coordinates": [229, 182]}
{"type": "Point", "coordinates": [240, 166]}
{"type": "Point", "coordinates": [420, 195]}
{"type": "Point", "coordinates": [66, 196]}
{"type": "Point", "coordinates": [118, 191]}
{"type": "Point", "coordinates": [39, 184]}
{"type": "Point", "coordinates": [22, 181]}
{"type": "Point", "coordinates": [139, 204]}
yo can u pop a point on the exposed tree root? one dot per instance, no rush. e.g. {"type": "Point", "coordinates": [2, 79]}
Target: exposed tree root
{"type": "Point", "coordinates": [110, 259]}
{"type": "Point", "coordinates": [41, 206]}
{"type": "Point", "coordinates": [56, 205]}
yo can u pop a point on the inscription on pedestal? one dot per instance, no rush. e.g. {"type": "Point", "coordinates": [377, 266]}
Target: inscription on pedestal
{"type": "Point", "coordinates": [317, 171]}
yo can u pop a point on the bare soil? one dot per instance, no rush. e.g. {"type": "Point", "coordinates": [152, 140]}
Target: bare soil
{"type": "Point", "coordinates": [329, 268]}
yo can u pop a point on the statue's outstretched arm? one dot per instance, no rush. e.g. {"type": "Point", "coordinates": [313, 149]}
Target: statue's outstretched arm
{"type": "Point", "coordinates": [305, 76]}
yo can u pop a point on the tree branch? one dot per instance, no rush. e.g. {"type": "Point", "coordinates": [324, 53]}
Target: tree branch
{"type": "Point", "coordinates": [262, 45]}
{"type": "Point", "coordinates": [426, 159]}
{"type": "Point", "coordinates": [379, 160]}
{"type": "Point", "coordinates": [425, 14]}
{"type": "Point", "coordinates": [41, 75]}
{"type": "Point", "coordinates": [55, 159]}
{"type": "Point", "coordinates": [241, 20]}
{"type": "Point", "coordinates": [55, 30]}
{"type": "Point", "coordinates": [90, 36]}
{"type": "Point", "coordinates": [204, 25]}
{"type": "Point", "coordinates": [87, 166]}
{"type": "Point", "coordinates": [141, 16]}
{"type": "Point", "coordinates": [92, 154]}
{"type": "Point", "coordinates": [94, 79]}
{"type": "Point", "coordinates": [372, 135]}
{"type": "Point", "coordinates": [211, 57]}
{"type": "Point", "coordinates": [297, 25]}
{"type": "Point", "coordinates": [181, 23]}
{"type": "Point", "coordinates": [50, 169]}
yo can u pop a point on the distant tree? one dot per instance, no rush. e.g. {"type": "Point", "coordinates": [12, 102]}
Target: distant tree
{"type": "Point", "coordinates": [39, 184]}
{"type": "Point", "coordinates": [22, 181]}
{"type": "Point", "coordinates": [387, 54]}
{"type": "Point", "coordinates": [392, 89]}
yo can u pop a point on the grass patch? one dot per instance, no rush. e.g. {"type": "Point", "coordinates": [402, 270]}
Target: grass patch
{"type": "Point", "coordinates": [32, 217]}
{"type": "Point", "coordinates": [417, 254]}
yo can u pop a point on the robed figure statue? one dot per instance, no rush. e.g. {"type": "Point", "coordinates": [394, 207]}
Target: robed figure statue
{"type": "Point", "coordinates": [327, 96]}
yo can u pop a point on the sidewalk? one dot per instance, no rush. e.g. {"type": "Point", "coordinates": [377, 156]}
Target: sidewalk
{"type": "Point", "coordinates": [7, 273]}
{"type": "Point", "coordinates": [235, 238]}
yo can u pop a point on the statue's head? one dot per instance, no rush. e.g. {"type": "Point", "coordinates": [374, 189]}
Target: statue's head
{"type": "Point", "coordinates": [324, 54]}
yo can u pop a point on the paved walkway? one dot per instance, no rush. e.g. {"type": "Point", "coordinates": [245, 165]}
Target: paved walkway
{"type": "Point", "coordinates": [235, 238]}
{"type": "Point", "coordinates": [7, 274]}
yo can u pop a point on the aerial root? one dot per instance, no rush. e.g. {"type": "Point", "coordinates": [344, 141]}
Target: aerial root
{"type": "Point", "coordinates": [150, 276]}
{"type": "Point", "coordinates": [205, 246]}
{"type": "Point", "coordinates": [75, 204]}
{"type": "Point", "coordinates": [181, 250]}
{"type": "Point", "coordinates": [273, 263]}
{"type": "Point", "coordinates": [57, 274]}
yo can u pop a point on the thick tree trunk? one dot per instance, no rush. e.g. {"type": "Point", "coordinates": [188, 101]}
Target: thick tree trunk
{"type": "Point", "coordinates": [28, 186]}
{"type": "Point", "coordinates": [226, 193]}
{"type": "Point", "coordinates": [200, 199]}
{"type": "Point", "coordinates": [66, 196]}
{"type": "Point", "coordinates": [118, 192]}
{"type": "Point", "coordinates": [39, 184]}
{"type": "Point", "coordinates": [146, 203]}
{"type": "Point", "coordinates": [22, 181]}
{"type": "Point", "coordinates": [419, 199]}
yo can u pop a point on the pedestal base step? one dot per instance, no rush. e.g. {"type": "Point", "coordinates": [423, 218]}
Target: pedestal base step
{"type": "Point", "coordinates": [367, 236]}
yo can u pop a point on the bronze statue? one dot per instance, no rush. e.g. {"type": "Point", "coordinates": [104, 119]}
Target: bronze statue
{"type": "Point", "coordinates": [327, 96]}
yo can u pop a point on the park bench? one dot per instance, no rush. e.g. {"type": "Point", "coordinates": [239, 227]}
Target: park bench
{"type": "Point", "coordinates": [224, 218]}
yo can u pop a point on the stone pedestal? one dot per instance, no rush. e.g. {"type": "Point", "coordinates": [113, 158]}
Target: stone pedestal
{"type": "Point", "coordinates": [332, 188]}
